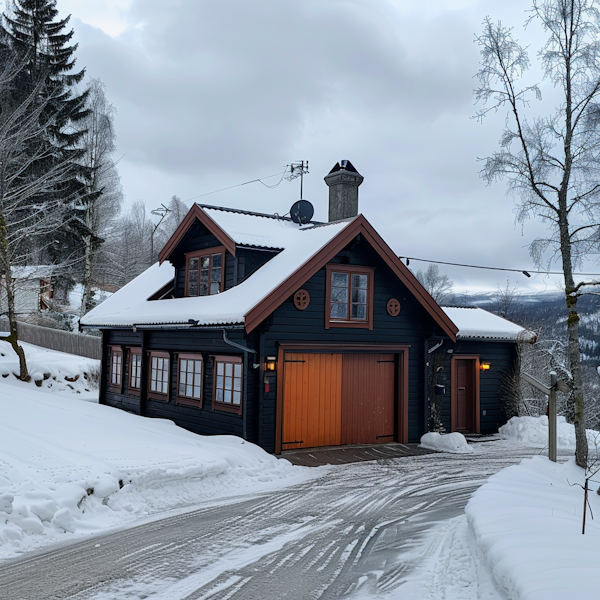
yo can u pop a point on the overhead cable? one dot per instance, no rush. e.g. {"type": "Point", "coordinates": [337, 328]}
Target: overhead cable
{"type": "Point", "coordinates": [526, 272]}
{"type": "Point", "coordinates": [241, 184]}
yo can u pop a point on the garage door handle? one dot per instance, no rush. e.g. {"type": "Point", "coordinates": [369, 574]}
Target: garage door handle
{"type": "Point", "coordinates": [461, 388]}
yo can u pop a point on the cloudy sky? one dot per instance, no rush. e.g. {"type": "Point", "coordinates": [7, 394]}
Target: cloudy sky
{"type": "Point", "coordinates": [214, 93]}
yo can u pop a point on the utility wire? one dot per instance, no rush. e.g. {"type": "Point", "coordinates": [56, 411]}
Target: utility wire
{"type": "Point", "coordinates": [241, 184]}
{"type": "Point", "coordinates": [524, 272]}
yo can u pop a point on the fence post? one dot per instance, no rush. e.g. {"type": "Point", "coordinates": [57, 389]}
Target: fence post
{"type": "Point", "coordinates": [552, 417]}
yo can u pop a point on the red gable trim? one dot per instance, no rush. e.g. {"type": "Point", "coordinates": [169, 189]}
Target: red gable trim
{"type": "Point", "coordinates": [359, 225]}
{"type": "Point", "coordinates": [196, 213]}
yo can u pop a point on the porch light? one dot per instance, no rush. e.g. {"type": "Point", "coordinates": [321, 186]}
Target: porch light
{"type": "Point", "coordinates": [270, 363]}
{"type": "Point", "coordinates": [484, 366]}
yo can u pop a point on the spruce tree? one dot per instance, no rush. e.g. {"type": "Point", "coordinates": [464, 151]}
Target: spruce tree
{"type": "Point", "coordinates": [43, 44]}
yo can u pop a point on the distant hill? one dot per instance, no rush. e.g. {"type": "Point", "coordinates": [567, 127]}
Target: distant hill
{"type": "Point", "coordinates": [546, 313]}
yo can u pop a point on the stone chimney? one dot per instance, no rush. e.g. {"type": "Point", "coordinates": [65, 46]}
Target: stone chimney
{"type": "Point", "coordinates": [343, 181]}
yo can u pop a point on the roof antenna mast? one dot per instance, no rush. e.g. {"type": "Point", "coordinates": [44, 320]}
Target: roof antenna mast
{"type": "Point", "coordinates": [298, 169]}
{"type": "Point", "coordinates": [301, 211]}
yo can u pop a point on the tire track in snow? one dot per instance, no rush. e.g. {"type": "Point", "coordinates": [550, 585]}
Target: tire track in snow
{"type": "Point", "coordinates": [350, 530]}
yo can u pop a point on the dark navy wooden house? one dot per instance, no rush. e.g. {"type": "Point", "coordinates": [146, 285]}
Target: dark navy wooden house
{"type": "Point", "coordinates": [297, 335]}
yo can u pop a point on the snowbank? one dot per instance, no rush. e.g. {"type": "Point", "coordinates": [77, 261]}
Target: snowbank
{"type": "Point", "coordinates": [68, 468]}
{"type": "Point", "coordinates": [50, 370]}
{"type": "Point", "coordinates": [526, 522]}
{"type": "Point", "coordinates": [533, 431]}
{"type": "Point", "coordinates": [448, 442]}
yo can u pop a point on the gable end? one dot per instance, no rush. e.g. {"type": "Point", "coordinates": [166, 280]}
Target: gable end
{"type": "Point", "coordinates": [358, 226]}
{"type": "Point", "coordinates": [196, 214]}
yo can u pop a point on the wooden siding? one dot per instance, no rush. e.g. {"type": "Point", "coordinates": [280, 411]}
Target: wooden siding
{"type": "Point", "coordinates": [251, 260]}
{"type": "Point", "coordinates": [205, 420]}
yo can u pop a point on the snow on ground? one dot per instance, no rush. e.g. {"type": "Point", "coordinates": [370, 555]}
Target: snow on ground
{"type": "Point", "coordinates": [520, 537]}
{"type": "Point", "coordinates": [526, 522]}
{"type": "Point", "coordinates": [533, 431]}
{"type": "Point", "coordinates": [448, 442]}
{"type": "Point", "coordinates": [50, 370]}
{"type": "Point", "coordinates": [69, 468]}
{"type": "Point", "coordinates": [449, 568]}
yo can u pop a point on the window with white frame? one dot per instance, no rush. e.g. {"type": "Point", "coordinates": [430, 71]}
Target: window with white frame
{"type": "Point", "coordinates": [189, 379]}
{"type": "Point", "coordinates": [135, 371]}
{"type": "Point", "coordinates": [116, 368]}
{"type": "Point", "coordinates": [204, 272]}
{"type": "Point", "coordinates": [158, 385]}
{"type": "Point", "coordinates": [228, 383]}
{"type": "Point", "coordinates": [349, 296]}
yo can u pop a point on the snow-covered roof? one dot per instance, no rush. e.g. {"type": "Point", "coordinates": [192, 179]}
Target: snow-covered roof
{"type": "Point", "coordinates": [253, 229]}
{"type": "Point", "coordinates": [130, 305]}
{"type": "Point", "coordinates": [476, 323]}
{"type": "Point", "coordinates": [33, 272]}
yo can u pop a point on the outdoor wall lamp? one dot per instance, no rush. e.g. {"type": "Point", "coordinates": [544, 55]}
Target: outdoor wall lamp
{"type": "Point", "coordinates": [484, 366]}
{"type": "Point", "coordinates": [270, 363]}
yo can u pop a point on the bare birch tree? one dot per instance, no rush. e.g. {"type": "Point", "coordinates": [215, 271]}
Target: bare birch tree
{"type": "Point", "coordinates": [551, 159]}
{"type": "Point", "coordinates": [437, 284]}
{"type": "Point", "coordinates": [103, 195]}
{"type": "Point", "coordinates": [23, 216]}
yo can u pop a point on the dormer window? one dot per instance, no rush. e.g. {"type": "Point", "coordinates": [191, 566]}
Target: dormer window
{"type": "Point", "coordinates": [204, 272]}
{"type": "Point", "coordinates": [349, 301]}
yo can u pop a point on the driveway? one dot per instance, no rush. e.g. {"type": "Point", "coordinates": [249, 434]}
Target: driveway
{"type": "Point", "coordinates": [347, 533]}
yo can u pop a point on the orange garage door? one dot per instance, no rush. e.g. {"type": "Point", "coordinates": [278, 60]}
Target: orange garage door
{"type": "Point", "coordinates": [333, 399]}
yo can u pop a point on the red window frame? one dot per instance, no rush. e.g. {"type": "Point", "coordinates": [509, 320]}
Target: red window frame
{"type": "Point", "coordinates": [348, 321]}
{"type": "Point", "coordinates": [198, 255]}
{"type": "Point", "coordinates": [134, 375]}
{"type": "Point", "coordinates": [156, 395]}
{"type": "Point", "coordinates": [184, 397]}
{"type": "Point", "coordinates": [115, 381]}
{"type": "Point", "coordinates": [221, 384]}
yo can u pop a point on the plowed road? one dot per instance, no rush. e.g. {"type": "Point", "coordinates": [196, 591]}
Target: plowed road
{"type": "Point", "coordinates": [326, 538]}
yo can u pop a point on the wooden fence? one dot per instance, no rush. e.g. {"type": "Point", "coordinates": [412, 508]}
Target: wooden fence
{"type": "Point", "coordinates": [56, 339]}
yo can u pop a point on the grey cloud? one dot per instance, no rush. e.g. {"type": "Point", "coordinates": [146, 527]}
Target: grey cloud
{"type": "Point", "coordinates": [204, 83]}
{"type": "Point", "coordinates": [215, 92]}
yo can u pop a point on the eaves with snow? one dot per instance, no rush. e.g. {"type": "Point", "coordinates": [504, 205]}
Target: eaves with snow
{"type": "Point", "coordinates": [477, 324]}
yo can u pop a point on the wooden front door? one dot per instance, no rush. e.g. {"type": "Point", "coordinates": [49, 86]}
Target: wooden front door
{"type": "Point", "coordinates": [464, 381]}
{"type": "Point", "coordinates": [334, 399]}
{"type": "Point", "coordinates": [368, 398]}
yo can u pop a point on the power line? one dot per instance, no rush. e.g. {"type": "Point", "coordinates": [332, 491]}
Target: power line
{"type": "Point", "coordinates": [527, 272]}
{"type": "Point", "coordinates": [245, 183]}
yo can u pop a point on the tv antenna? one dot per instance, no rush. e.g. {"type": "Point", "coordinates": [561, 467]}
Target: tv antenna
{"type": "Point", "coordinates": [162, 211]}
{"type": "Point", "coordinates": [298, 169]}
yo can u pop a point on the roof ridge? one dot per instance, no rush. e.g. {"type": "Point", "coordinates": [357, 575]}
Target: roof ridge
{"type": "Point", "coordinates": [316, 224]}
{"type": "Point", "coordinates": [252, 213]}
{"type": "Point", "coordinates": [461, 306]}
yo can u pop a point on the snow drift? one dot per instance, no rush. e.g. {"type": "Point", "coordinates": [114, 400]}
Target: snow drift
{"type": "Point", "coordinates": [71, 467]}
{"type": "Point", "coordinates": [526, 522]}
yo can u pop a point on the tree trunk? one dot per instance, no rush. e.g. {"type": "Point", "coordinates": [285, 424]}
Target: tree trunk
{"type": "Point", "coordinates": [13, 336]}
{"type": "Point", "coordinates": [573, 347]}
{"type": "Point", "coordinates": [86, 297]}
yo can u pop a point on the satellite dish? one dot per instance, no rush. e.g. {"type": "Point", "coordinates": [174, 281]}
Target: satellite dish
{"type": "Point", "coordinates": [302, 212]}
